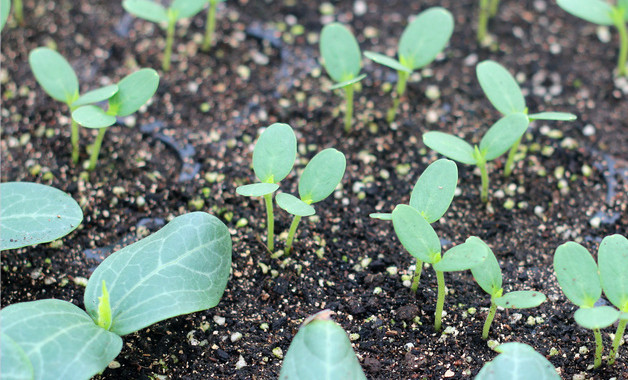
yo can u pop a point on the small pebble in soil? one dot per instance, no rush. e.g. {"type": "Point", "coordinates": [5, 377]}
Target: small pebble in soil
{"type": "Point", "coordinates": [114, 364]}
{"type": "Point", "coordinates": [492, 344]}
{"type": "Point", "coordinates": [80, 281]}
{"type": "Point", "coordinates": [236, 336]}
{"type": "Point", "coordinates": [278, 352]}
{"type": "Point", "coordinates": [241, 363]}
{"type": "Point", "coordinates": [219, 320]}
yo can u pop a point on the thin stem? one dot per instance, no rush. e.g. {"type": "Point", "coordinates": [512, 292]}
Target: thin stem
{"type": "Point", "coordinates": [165, 64]}
{"type": "Point", "coordinates": [618, 335]}
{"type": "Point", "coordinates": [493, 8]}
{"type": "Point", "coordinates": [511, 158]}
{"type": "Point", "coordinates": [402, 80]}
{"type": "Point", "coordinates": [74, 138]}
{"type": "Point", "coordinates": [483, 20]}
{"type": "Point", "coordinates": [93, 157]}
{"type": "Point", "coordinates": [293, 229]}
{"type": "Point", "coordinates": [440, 302]}
{"type": "Point", "coordinates": [489, 319]}
{"type": "Point", "coordinates": [620, 24]}
{"type": "Point", "coordinates": [348, 107]}
{"type": "Point", "coordinates": [210, 25]}
{"type": "Point", "coordinates": [270, 223]}
{"type": "Point", "coordinates": [599, 348]}
{"type": "Point", "coordinates": [18, 11]}
{"type": "Point", "coordinates": [417, 275]}
{"type": "Point", "coordinates": [484, 173]}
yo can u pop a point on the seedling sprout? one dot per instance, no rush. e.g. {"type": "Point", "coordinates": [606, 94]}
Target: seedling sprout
{"type": "Point", "coordinates": [210, 24]}
{"type": "Point", "coordinates": [488, 9]}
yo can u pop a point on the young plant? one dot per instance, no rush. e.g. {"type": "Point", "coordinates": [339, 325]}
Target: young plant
{"type": "Point", "coordinates": [497, 140]}
{"type": "Point", "coordinates": [55, 75]}
{"type": "Point", "coordinates": [273, 158]}
{"type": "Point", "coordinates": [489, 276]}
{"type": "Point", "coordinates": [32, 213]}
{"type": "Point", "coordinates": [342, 60]}
{"type": "Point", "coordinates": [318, 180]}
{"type": "Point", "coordinates": [180, 269]}
{"type": "Point", "coordinates": [420, 42]}
{"type": "Point", "coordinates": [133, 91]}
{"type": "Point", "coordinates": [321, 350]}
{"type": "Point", "coordinates": [603, 13]}
{"type": "Point", "coordinates": [419, 238]}
{"type": "Point", "coordinates": [210, 24]}
{"type": "Point", "coordinates": [152, 11]}
{"type": "Point", "coordinates": [517, 361]}
{"type": "Point", "coordinates": [502, 90]}
{"type": "Point", "coordinates": [431, 196]}
{"type": "Point", "coordinates": [488, 9]}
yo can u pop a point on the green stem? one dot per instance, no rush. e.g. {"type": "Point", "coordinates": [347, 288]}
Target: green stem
{"type": "Point", "coordinates": [348, 107]}
{"type": "Point", "coordinates": [74, 138]}
{"type": "Point", "coordinates": [417, 275]}
{"type": "Point", "coordinates": [599, 347]}
{"type": "Point", "coordinates": [620, 24]}
{"type": "Point", "coordinates": [93, 157]}
{"type": "Point", "coordinates": [489, 320]}
{"type": "Point", "coordinates": [270, 223]}
{"type": "Point", "coordinates": [293, 229]}
{"type": "Point", "coordinates": [484, 173]}
{"type": "Point", "coordinates": [18, 11]}
{"type": "Point", "coordinates": [402, 80]}
{"type": "Point", "coordinates": [511, 158]}
{"type": "Point", "coordinates": [210, 25]}
{"type": "Point", "coordinates": [483, 20]}
{"type": "Point", "coordinates": [618, 335]}
{"type": "Point", "coordinates": [440, 302]}
{"type": "Point", "coordinates": [493, 8]}
{"type": "Point", "coordinates": [165, 64]}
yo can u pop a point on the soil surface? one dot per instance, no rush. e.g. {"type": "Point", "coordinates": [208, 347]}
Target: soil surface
{"type": "Point", "coordinates": [191, 147]}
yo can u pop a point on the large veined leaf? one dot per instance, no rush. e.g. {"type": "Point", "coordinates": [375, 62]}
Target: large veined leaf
{"type": "Point", "coordinates": [386, 61]}
{"type": "Point", "coordinates": [518, 361]}
{"type": "Point", "coordinates": [60, 340]}
{"type": "Point", "coordinates": [14, 364]}
{"type": "Point", "coordinates": [274, 153]}
{"type": "Point", "coordinates": [488, 274]}
{"type": "Point", "coordinates": [433, 192]}
{"type": "Point", "coordinates": [294, 205]}
{"type": "Point", "coordinates": [179, 269]}
{"type": "Point", "coordinates": [54, 74]}
{"type": "Point", "coordinates": [577, 274]}
{"type": "Point", "coordinates": [146, 9]}
{"type": "Point", "coordinates": [31, 213]}
{"type": "Point", "coordinates": [562, 116]}
{"type": "Point", "coordinates": [321, 175]}
{"type": "Point", "coordinates": [134, 91]}
{"type": "Point", "coordinates": [257, 189]}
{"type": "Point", "coordinates": [500, 87]}
{"type": "Point", "coordinates": [502, 135]}
{"type": "Point", "coordinates": [613, 263]}
{"type": "Point", "coordinates": [596, 317]}
{"type": "Point", "coordinates": [340, 52]}
{"type": "Point", "coordinates": [321, 350]}
{"type": "Point", "coordinates": [5, 9]}
{"type": "Point", "coordinates": [425, 37]}
{"type": "Point", "coordinates": [415, 234]}
{"type": "Point", "coordinates": [93, 117]}
{"type": "Point", "coordinates": [521, 299]}
{"type": "Point", "coordinates": [95, 96]}
{"type": "Point", "coordinates": [450, 146]}
{"type": "Point", "coordinates": [595, 11]}
{"type": "Point", "coordinates": [187, 8]}
{"type": "Point", "coordinates": [463, 256]}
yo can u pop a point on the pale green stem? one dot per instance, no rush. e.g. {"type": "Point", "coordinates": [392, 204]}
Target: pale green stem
{"type": "Point", "coordinates": [417, 275]}
{"type": "Point", "coordinates": [165, 64]}
{"type": "Point", "coordinates": [402, 80]}
{"type": "Point", "coordinates": [621, 328]}
{"type": "Point", "coordinates": [74, 137]}
{"type": "Point", "coordinates": [484, 173]}
{"type": "Point", "coordinates": [511, 158]}
{"type": "Point", "coordinates": [270, 223]}
{"type": "Point", "coordinates": [599, 348]}
{"type": "Point", "coordinates": [620, 24]}
{"type": "Point", "coordinates": [18, 11]}
{"type": "Point", "coordinates": [489, 320]}
{"type": "Point", "coordinates": [483, 20]}
{"type": "Point", "coordinates": [440, 302]}
{"type": "Point", "coordinates": [348, 107]}
{"type": "Point", "coordinates": [210, 25]}
{"type": "Point", "coordinates": [493, 8]}
{"type": "Point", "coordinates": [93, 157]}
{"type": "Point", "coordinates": [291, 233]}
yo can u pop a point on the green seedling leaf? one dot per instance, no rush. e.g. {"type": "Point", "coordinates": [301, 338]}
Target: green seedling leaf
{"type": "Point", "coordinates": [415, 234]}
{"type": "Point", "coordinates": [522, 299]}
{"type": "Point", "coordinates": [488, 274]}
{"type": "Point", "coordinates": [134, 91]}
{"type": "Point", "coordinates": [564, 116]}
{"type": "Point", "coordinates": [96, 96]}
{"type": "Point", "coordinates": [257, 189]}
{"type": "Point", "coordinates": [500, 87]}
{"type": "Point", "coordinates": [596, 317]}
{"type": "Point", "coordinates": [381, 215]}
{"type": "Point", "coordinates": [577, 274]}
{"type": "Point", "coordinates": [5, 9]}
{"type": "Point", "coordinates": [93, 117]}
{"type": "Point", "coordinates": [613, 263]}
{"type": "Point", "coordinates": [321, 350]}
{"type": "Point", "coordinates": [434, 190]}
{"type": "Point", "coordinates": [348, 82]}
{"type": "Point", "coordinates": [386, 61]}
{"type": "Point", "coordinates": [294, 205]}
{"type": "Point", "coordinates": [518, 361]}
{"type": "Point", "coordinates": [54, 74]}
{"type": "Point", "coordinates": [321, 175]}
{"type": "Point", "coordinates": [33, 214]}
{"type": "Point", "coordinates": [595, 11]}
{"type": "Point", "coordinates": [464, 256]}
{"type": "Point", "coordinates": [14, 364]}
{"type": "Point", "coordinates": [59, 339]}
{"type": "Point", "coordinates": [425, 37]}
{"type": "Point", "coordinates": [340, 52]}
{"type": "Point", "coordinates": [104, 308]}
{"type": "Point", "coordinates": [450, 146]}
{"type": "Point", "coordinates": [503, 134]}
{"type": "Point", "coordinates": [274, 153]}
{"type": "Point", "coordinates": [187, 8]}
{"type": "Point", "coordinates": [184, 268]}
{"type": "Point", "coordinates": [146, 9]}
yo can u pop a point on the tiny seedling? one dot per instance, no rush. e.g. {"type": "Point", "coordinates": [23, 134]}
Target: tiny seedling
{"type": "Point", "coordinates": [318, 180]}
{"type": "Point", "coordinates": [133, 91]}
{"type": "Point", "coordinates": [273, 158]}
{"type": "Point", "coordinates": [180, 269]}
{"type": "Point", "coordinates": [488, 9]}
{"type": "Point", "coordinates": [210, 24]}
{"type": "Point", "coordinates": [419, 45]}
{"type": "Point", "coordinates": [504, 93]}
{"type": "Point", "coordinates": [497, 140]}
{"type": "Point", "coordinates": [32, 213]}
{"type": "Point", "coordinates": [152, 11]}
{"type": "Point", "coordinates": [5, 9]}
{"type": "Point", "coordinates": [489, 276]}
{"type": "Point", "coordinates": [55, 75]}
{"type": "Point", "coordinates": [342, 60]}
{"type": "Point", "coordinates": [517, 361]}
{"type": "Point", "coordinates": [321, 350]}
{"type": "Point", "coordinates": [603, 13]}
{"type": "Point", "coordinates": [431, 196]}
{"type": "Point", "coordinates": [419, 238]}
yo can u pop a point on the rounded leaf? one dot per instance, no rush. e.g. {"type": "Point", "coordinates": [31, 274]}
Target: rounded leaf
{"type": "Point", "coordinates": [321, 175]}
{"type": "Point", "coordinates": [187, 8]}
{"type": "Point", "coordinates": [134, 91]}
{"type": "Point", "coordinates": [340, 52]}
{"type": "Point", "coordinates": [257, 189]}
{"type": "Point", "coordinates": [95, 96]}
{"type": "Point", "coordinates": [146, 9]}
{"type": "Point", "coordinates": [381, 215]}
{"type": "Point", "coordinates": [415, 234]}
{"type": "Point", "coordinates": [596, 317]}
{"type": "Point", "coordinates": [14, 363]}
{"type": "Point", "coordinates": [386, 61]}
{"type": "Point", "coordinates": [517, 361]}
{"type": "Point", "coordinates": [450, 146]}
{"type": "Point", "coordinates": [425, 37]}
{"type": "Point", "coordinates": [464, 256]}
{"type": "Point", "coordinates": [294, 205]}
{"type": "Point", "coordinates": [434, 190]}
{"type": "Point", "coordinates": [503, 134]}
{"type": "Point", "coordinates": [522, 299]}
{"type": "Point", "coordinates": [577, 274]}
{"type": "Point", "coordinates": [274, 153]}
{"type": "Point", "coordinates": [54, 74]}
{"type": "Point", "coordinates": [595, 11]}
{"type": "Point", "coordinates": [500, 87]}
{"type": "Point", "coordinates": [612, 260]}
{"type": "Point", "coordinates": [93, 117]}
{"type": "Point", "coordinates": [488, 274]}
{"type": "Point", "coordinates": [562, 116]}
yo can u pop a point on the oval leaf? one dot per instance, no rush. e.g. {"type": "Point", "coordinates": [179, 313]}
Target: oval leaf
{"type": "Point", "coordinates": [348, 82]}
{"type": "Point", "coordinates": [32, 214]}
{"type": "Point", "coordinates": [294, 205]}
{"type": "Point", "coordinates": [340, 52]}
{"type": "Point", "coordinates": [613, 262]}
{"type": "Point", "coordinates": [425, 37]}
{"type": "Point", "coordinates": [14, 364]}
{"type": "Point", "coordinates": [502, 135]}
{"type": "Point", "coordinates": [93, 117]}
{"type": "Point", "coordinates": [450, 146]}
{"type": "Point", "coordinates": [60, 340]}
{"type": "Point", "coordinates": [54, 74]}
{"type": "Point", "coordinates": [134, 91]}
{"type": "Point", "coordinates": [500, 87]}
{"type": "Point", "coordinates": [146, 9]}
{"type": "Point", "coordinates": [321, 175]}
{"type": "Point", "coordinates": [596, 317]}
{"type": "Point", "coordinates": [577, 274]}
{"type": "Point", "coordinates": [274, 153]}
{"type": "Point", "coordinates": [257, 189]}
{"type": "Point", "coordinates": [464, 256]}
{"type": "Point", "coordinates": [179, 269]}
{"type": "Point", "coordinates": [523, 299]}
{"type": "Point", "coordinates": [95, 96]}
{"type": "Point", "coordinates": [415, 234]}
{"type": "Point", "coordinates": [595, 11]}
{"type": "Point", "coordinates": [187, 8]}
{"type": "Point", "coordinates": [518, 361]}
{"type": "Point", "coordinates": [564, 116]}
{"type": "Point", "coordinates": [386, 61]}
{"type": "Point", "coordinates": [433, 192]}
{"type": "Point", "coordinates": [381, 215]}
{"type": "Point", "coordinates": [488, 274]}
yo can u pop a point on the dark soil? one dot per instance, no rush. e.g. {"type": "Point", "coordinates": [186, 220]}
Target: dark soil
{"type": "Point", "coordinates": [259, 72]}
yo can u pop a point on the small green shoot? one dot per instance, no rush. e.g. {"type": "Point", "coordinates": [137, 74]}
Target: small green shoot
{"type": "Point", "coordinates": [342, 60]}
{"type": "Point", "coordinates": [488, 9]}
{"type": "Point", "coordinates": [517, 361]}
{"type": "Point", "coordinates": [273, 158]}
{"type": "Point", "coordinates": [104, 308]}
{"type": "Point", "coordinates": [210, 24]}
{"type": "Point", "coordinates": [497, 140]}
{"type": "Point", "coordinates": [318, 180]}
{"type": "Point", "coordinates": [421, 41]}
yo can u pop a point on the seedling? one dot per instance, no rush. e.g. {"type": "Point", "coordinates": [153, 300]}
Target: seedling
{"type": "Point", "coordinates": [489, 276]}
{"type": "Point", "coordinates": [273, 158]}
{"type": "Point", "coordinates": [603, 13]}
{"type": "Point", "coordinates": [517, 361]}
{"type": "Point", "coordinates": [488, 9]}
{"type": "Point", "coordinates": [318, 180]}
{"type": "Point", "coordinates": [321, 350]}
{"type": "Point", "coordinates": [210, 24]}
{"type": "Point", "coordinates": [342, 60]}
{"type": "Point", "coordinates": [505, 132]}
{"type": "Point", "coordinates": [133, 91]}
{"type": "Point", "coordinates": [420, 42]}
{"type": "Point", "coordinates": [155, 12]}
{"type": "Point", "coordinates": [180, 269]}
{"type": "Point", "coordinates": [55, 75]}
{"type": "Point", "coordinates": [420, 240]}
{"type": "Point", "coordinates": [502, 90]}
{"type": "Point", "coordinates": [431, 196]}
{"type": "Point", "coordinates": [32, 213]}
